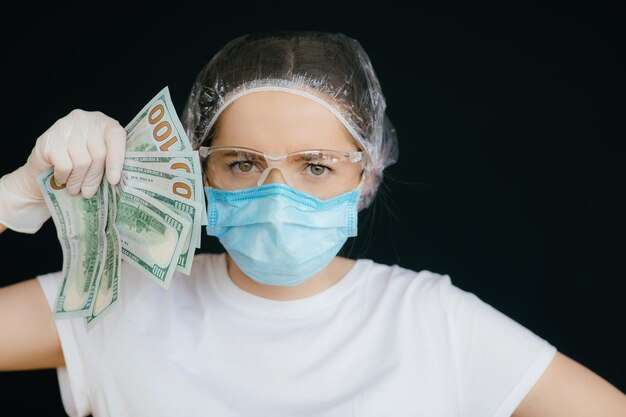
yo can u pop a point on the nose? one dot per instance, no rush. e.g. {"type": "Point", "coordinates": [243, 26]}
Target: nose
{"type": "Point", "coordinates": [273, 175]}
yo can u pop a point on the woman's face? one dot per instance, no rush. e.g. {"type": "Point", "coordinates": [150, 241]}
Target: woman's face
{"type": "Point", "coordinates": [281, 122]}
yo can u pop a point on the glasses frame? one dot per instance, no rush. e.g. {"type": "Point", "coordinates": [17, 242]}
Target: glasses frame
{"type": "Point", "coordinates": [275, 160]}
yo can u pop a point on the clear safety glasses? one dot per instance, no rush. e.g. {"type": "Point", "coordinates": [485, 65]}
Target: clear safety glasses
{"type": "Point", "coordinates": [317, 172]}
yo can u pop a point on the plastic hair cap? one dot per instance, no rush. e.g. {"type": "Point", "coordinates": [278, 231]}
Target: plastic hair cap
{"type": "Point", "coordinates": [329, 68]}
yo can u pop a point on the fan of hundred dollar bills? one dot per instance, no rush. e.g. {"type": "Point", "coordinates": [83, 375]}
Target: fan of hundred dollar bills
{"type": "Point", "coordinates": [151, 219]}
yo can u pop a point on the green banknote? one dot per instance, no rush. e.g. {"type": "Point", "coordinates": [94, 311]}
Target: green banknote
{"type": "Point", "coordinates": [187, 162]}
{"type": "Point", "coordinates": [107, 294]}
{"type": "Point", "coordinates": [151, 219]}
{"type": "Point", "coordinates": [171, 183]}
{"type": "Point", "coordinates": [187, 209]}
{"type": "Point", "coordinates": [152, 234]}
{"type": "Point", "coordinates": [157, 127]}
{"type": "Point", "coordinates": [186, 186]}
{"type": "Point", "coordinates": [80, 225]}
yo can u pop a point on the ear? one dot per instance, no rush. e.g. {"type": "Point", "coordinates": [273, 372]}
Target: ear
{"type": "Point", "coordinates": [368, 189]}
{"type": "Point", "coordinates": [205, 179]}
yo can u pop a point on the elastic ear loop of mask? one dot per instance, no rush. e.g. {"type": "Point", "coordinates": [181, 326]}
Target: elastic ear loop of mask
{"type": "Point", "coordinates": [361, 182]}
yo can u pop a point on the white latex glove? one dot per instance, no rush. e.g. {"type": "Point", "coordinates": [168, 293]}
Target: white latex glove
{"type": "Point", "coordinates": [79, 146]}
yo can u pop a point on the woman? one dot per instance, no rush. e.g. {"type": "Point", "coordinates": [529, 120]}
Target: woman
{"type": "Point", "coordinates": [278, 325]}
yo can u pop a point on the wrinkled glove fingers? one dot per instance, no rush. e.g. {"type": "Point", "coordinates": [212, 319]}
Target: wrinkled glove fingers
{"type": "Point", "coordinates": [97, 151]}
{"type": "Point", "coordinates": [115, 140]}
{"type": "Point", "coordinates": [81, 161]}
{"type": "Point", "coordinates": [62, 163]}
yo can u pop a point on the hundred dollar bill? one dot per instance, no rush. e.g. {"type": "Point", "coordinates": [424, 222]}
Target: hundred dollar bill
{"type": "Point", "coordinates": [188, 187]}
{"type": "Point", "coordinates": [188, 162]}
{"type": "Point", "coordinates": [185, 208]}
{"type": "Point", "coordinates": [80, 225]}
{"type": "Point", "coordinates": [107, 294]}
{"type": "Point", "coordinates": [157, 127]}
{"type": "Point", "coordinates": [152, 234]}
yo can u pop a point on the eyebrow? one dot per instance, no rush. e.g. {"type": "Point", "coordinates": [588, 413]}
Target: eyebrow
{"type": "Point", "coordinates": [240, 153]}
{"type": "Point", "coordinates": [309, 155]}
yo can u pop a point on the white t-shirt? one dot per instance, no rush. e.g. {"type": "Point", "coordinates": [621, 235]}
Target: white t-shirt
{"type": "Point", "coordinates": [383, 341]}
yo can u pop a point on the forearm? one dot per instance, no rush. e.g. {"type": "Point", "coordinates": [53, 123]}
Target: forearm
{"type": "Point", "coordinates": [2, 228]}
{"type": "Point", "coordinates": [22, 207]}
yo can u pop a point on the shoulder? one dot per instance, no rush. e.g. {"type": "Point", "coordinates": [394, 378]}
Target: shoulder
{"type": "Point", "coordinates": [396, 277]}
{"type": "Point", "coordinates": [398, 273]}
{"type": "Point", "coordinates": [424, 290]}
{"type": "Point", "coordinates": [428, 295]}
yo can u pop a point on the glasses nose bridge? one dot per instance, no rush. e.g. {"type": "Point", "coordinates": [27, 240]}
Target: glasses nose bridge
{"type": "Point", "coordinates": [274, 161]}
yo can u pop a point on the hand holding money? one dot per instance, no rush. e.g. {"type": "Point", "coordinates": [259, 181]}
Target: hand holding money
{"type": "Point", "coordinates": [150, 219]}
{"type": "Point", "coordinates": [77, 147]}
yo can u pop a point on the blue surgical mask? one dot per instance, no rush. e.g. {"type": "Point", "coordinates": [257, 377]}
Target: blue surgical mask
{"type": "Point", "coordinates": [278, 235]}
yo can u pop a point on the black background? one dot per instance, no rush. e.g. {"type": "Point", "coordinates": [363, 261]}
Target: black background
{"type": "Point", "coordinates": [510, 122]}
